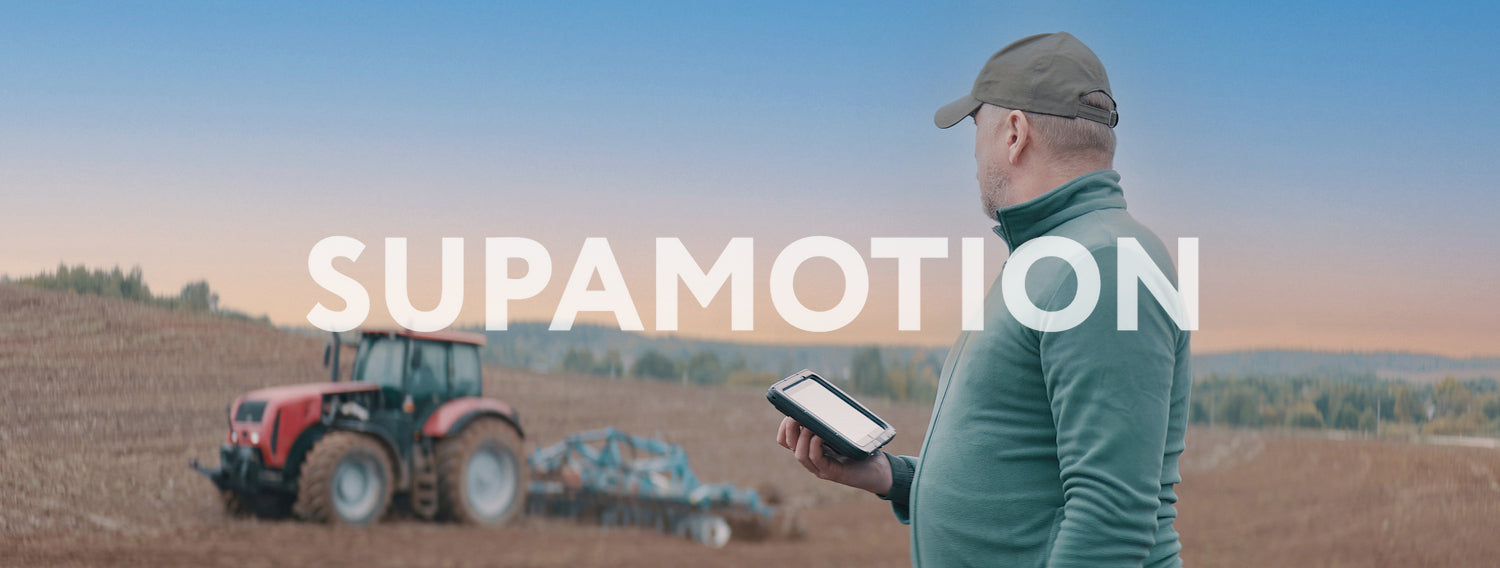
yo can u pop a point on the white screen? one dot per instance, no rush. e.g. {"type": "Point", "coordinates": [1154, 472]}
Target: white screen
{"type": "Point", "coordinates": [833, 411]}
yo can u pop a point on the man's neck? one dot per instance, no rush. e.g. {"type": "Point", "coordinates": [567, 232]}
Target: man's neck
{"type": "Point", "coordinates": [1030, 187]}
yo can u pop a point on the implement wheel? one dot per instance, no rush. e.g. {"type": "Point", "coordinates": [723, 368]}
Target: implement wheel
{"type": "Point", "coordinates": [482, 477]}
{"type": "Point", "coordinates": [345, 480]}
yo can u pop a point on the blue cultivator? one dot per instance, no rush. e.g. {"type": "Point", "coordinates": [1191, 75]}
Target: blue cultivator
{"type": "Point", "coordinates": [624, 480]}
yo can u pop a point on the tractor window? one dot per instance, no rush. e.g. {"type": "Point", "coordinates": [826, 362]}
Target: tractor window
{"type": "Point", "coordinates": [465, 371]}
{"type": "Point", "coordinates": [380, 363]}
{"type": "Point", "coordinates": [429, 371]}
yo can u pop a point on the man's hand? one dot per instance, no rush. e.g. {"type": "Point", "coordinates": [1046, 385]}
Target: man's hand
{"type": "Point", "coordinates": [873, 474]}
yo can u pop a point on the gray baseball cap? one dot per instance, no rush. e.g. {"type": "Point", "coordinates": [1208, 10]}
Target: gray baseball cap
{"type": "Point", "coordinates": [1045, 73]}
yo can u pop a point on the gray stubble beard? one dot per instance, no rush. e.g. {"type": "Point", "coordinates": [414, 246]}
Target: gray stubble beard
{"type": "Point", "coordinates": [994, 191]}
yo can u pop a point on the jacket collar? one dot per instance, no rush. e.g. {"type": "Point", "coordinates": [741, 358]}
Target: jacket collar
{"type": "Point", "coordinates": [1084, 194]}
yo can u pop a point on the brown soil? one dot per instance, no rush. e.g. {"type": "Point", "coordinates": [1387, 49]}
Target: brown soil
{"type": "Point", "coordinates": [103, 402]}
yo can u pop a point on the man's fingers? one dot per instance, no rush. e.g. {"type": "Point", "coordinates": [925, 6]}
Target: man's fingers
{"type": "Point", "coordinates": [816, 453]}
{"type": "Point", "coordinates": [804, 450]}
{"type": "Point", "coordinates": [786, 433]}
{"type": "Point", "coordinates": [799, 445]}
{"type": "Point", "coordinates": [806, 447]}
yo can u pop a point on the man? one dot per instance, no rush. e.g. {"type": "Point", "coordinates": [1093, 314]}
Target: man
{"type": "Point", "coordinates": [1046, 447]}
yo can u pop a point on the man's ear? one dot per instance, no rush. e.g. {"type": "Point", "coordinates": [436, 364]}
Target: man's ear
{"type": "Point", "coordinates": [1017, 135]}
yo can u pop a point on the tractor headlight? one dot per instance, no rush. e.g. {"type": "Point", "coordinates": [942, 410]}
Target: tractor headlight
{"type": "Point", "coordinates": [254, 438]}
{"type": "Point", "coordinates": [234, 437]}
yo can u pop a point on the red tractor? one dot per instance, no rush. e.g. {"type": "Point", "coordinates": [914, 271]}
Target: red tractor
{"type": "Point", "coordinates": [410, 428]}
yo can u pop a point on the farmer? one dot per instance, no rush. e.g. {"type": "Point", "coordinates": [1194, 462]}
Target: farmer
{"type": "Point", "coordinates": [1047, 447]}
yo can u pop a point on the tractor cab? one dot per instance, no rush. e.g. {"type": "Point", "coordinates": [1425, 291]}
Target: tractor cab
{"type": "Point", "coordinates": [418, 371]}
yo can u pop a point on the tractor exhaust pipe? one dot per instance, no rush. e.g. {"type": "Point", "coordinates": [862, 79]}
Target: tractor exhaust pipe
{"type": "Point", "coordinates": [331, 356]}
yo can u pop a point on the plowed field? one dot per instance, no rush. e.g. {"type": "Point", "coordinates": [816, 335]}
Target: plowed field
{"type": "Point", "coordinates": [102, 403]}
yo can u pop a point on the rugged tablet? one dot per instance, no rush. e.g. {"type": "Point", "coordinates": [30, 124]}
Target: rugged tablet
{"type": "Point", "coordinates": [846, 426]}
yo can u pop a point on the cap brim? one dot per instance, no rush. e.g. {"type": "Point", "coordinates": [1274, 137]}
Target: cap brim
{"type": "Point", "coordinates": [954, 112]}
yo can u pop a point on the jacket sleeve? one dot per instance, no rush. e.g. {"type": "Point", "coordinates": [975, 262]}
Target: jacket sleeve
{"type": "Point", "coordinates": [1110, 393]}
{"type": "Point", "coordinates": [902, 468]}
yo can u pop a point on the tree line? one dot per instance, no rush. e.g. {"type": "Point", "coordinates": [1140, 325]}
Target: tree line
{"type": "Point", "coordinates": [1360, 403]}
{"type": "Point", "coordinates": [195, 297]}
{"type": "Point", "coordinates": [701, 368]}
{"type": "Point", "coordinates": [909, 379]}
{"type": "Point", "coordinates": [1448, 407]}
{"type": "Point", "coordinates": [870, 372]}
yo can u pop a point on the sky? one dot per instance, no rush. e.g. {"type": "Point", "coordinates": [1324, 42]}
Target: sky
{"type": "Point", "coordinates": [1333, 160]}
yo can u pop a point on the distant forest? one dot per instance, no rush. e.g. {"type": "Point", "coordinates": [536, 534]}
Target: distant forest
{"type": "Point", "coordinates": [895, 372]}
{"type": "Point", "coordinates": [1353, 403]}
{"type": "Point", "coordinates": [1342, 391]}
{"type": "Point", "coordinates": [195, 297]}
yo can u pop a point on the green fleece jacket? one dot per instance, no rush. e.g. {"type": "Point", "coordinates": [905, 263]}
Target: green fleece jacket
{"type": "Point", "coordinates": [1059, 448]}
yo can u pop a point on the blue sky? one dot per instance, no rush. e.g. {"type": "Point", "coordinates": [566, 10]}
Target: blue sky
{"type": "Point", "coordinates": [1332, 158]}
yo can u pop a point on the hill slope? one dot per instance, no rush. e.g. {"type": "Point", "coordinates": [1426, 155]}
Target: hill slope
{"type": "Point", "coordinates": [104, 401]}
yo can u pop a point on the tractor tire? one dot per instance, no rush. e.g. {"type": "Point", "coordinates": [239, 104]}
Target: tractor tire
{"type": "Point", "coordinates": [345, 480]}
{"type": "Point", "coordinates": [482, 477]}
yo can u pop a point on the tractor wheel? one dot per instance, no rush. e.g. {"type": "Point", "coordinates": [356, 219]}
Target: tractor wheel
{"type": "Point", "coordinates": [345, 480]}
{"type": "Point", "coordinates": [481, 475]}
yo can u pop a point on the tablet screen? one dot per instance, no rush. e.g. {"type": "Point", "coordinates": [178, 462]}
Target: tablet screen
{"type": "Point", "coordinates": [833, 411]}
